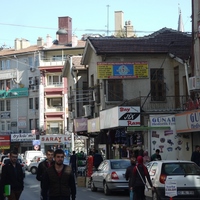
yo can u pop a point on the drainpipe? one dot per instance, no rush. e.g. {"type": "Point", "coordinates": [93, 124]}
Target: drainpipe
{"type": "Point", "coordinates": [187, 78]}
{"type": "Point", "coordinates": [72, 134]}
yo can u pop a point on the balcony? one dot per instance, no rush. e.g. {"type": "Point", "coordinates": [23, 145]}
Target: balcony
{"type": "Point", "coordinates": [52, 62]}
{"type": "Point", "coordinates": [55, 109]}
{"type": "Point", "coordinates": [167, 104]}
{"type": "Point", "coordinates": [54, 85]}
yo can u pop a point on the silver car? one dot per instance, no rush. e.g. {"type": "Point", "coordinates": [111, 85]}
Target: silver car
{"type": "Point", "coordinates": [110, 176]}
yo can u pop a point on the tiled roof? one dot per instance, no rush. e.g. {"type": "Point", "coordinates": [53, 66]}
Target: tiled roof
{"type": "Point", "coordinates": [163, 41]}
{"type": "Point", "coordinates": [76, 61]}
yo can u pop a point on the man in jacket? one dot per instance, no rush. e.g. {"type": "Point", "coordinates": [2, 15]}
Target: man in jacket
{"type": "Point", "coordinates": [44, 165]}
{"type": "Point", "coordinates": [97, 159]}
{"type": "Point", "coordinates": [12, 174]}
{"type": "Point", "coordinates": [196, 155]}
{"type": "Point", "coordinates": [58, 182]}
{"type": "Point", "coordinates": [73, 162]}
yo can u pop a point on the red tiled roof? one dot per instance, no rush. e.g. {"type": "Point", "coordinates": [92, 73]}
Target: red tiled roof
{"type": "Point", "coordinates": [162, 41]}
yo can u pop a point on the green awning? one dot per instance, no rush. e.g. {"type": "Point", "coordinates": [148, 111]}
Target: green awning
{"type": "Point", "coordinates": [2, 93]}
{"type": "Point", "coordinates": [17, 92]}
{"type": "Point", "coordinates": [147, 128]}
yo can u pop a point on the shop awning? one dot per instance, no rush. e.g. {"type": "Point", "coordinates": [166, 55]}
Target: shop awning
{"type": "Point", "coordinates": [2, 93]}
{"type": "Point", "coordinates": [147, 128]}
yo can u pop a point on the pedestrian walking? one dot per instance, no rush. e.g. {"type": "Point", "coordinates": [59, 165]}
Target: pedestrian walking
{"type": "Point", "coordinates": [196, 155]}
{"type": "Point", "coordinates": [43, 166]}
{"type": "Point", "coordinates": [138, 181]}
{"type": "Point", "coordinates": [58, 182]}
{"type": "Point", "coordinates": [129, 174]}
{"type": "Point", "coordinates": [97, 159]}
{"type": "Point", "coordinates": [156, 155]}
{"type": "Point", "coordinates": [73, 163]}
{"type": "Point", "coordinates": [12, 176]}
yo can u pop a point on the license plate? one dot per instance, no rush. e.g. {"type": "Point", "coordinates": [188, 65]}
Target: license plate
{"type": "Point", "coordinates": [185, 192]}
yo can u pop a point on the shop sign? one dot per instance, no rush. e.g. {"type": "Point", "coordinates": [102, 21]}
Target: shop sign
{"type": "Point", "coordinates": [188, 121]}
{"type": "Point", "coordinates": [93, 125]}
{"type": "Point", "coordinates": [4, 142]}
{"type": "Point", "coordinates": [5, 115]}
{"type": "Point", "coordinates": [62, 139]}
{"type": "Point", "coordinates": [120, 116]}
{"type": "Point", "coordinates": [80, 125]}
{"type": "Point", "coordinates": [22, 122]}
{"type": "Point", "coordinates": [22, 137]}
{"type": "Point", "coordinates": [129, 70]}
{"type": "Point", "coordinates": [163, 121]}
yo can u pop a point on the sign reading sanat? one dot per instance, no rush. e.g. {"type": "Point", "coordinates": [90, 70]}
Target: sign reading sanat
{"type": "Point", "coordinates": [126, 70]}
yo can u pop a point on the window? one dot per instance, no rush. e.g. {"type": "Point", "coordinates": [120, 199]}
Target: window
{"type": "Point", "coordinates": [8, 123]}
{"type": "Point", "coordinates": [158, 87]}
{"type": "Point", "coordinates": [2, 85]}
{"type": "Point", "coordinates": [7, 85]}
{"type": "Point", "coordinates": [30, 62]}
{"type": "Point", "coordinates": [7, 64]}
{"type": "Point", "coordinates": [2, 105]}
{"type": "Point", "coordinates": [36, 103]}
{"type": "Point", "coordinates": [54, 102]}
{"type": "Point", "coordinates": [115, 90]}
{"type": "Point", "coordinates": [2, 65]}
{"type": "Point", "coordinates": [30, 103]}
{"type": "Point", "coordinates": [7, 105]}
{"type": "Point", "coordinates": [3, 126]}
{"type": "Point", "coordinates": [31, 127]}
{"type": "Point", "coordinates": [36, 123]}
{"type": "Point", "coordinates": [54, 80]}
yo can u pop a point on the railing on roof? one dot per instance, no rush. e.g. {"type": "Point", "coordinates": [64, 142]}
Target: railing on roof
{"type": "Point", "coordinates": [161, 104]}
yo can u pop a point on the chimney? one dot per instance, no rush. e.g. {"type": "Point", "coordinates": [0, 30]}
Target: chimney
{"type": "Point", "coordinates": [17, 44]}
{"type": "Point", "coordinates": [24, 43]}
{"type": "Point", "coordinates": [65, 23]}
{"type": "Point", "coordinates": [74, 41]}
{"type": "Point", "coordinates": [49, 41]}
{"type": "Point", "coordinates": [119, 22]}
{"type": "Point", "coordinates": [40, 41]}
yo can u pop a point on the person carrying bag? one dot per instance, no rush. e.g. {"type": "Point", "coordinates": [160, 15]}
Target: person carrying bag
{"type": "Point", "coordinates": [138, 182]}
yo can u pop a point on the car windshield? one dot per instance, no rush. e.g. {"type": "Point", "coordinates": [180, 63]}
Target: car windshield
{"type": "Point", "coordinates": [120, 164]}
{"type": "Point", "coordinates": [180, 169]}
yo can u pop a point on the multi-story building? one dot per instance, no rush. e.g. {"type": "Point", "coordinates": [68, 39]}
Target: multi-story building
{"type": "Point", "coordinates": [34, 102]}
{"type": "Point", "coordinates": [142, 83]}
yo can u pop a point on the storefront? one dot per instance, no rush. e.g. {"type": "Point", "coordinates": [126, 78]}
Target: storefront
{"type": "Point", "coordinates": [81, 135]}
{"type": "Point", "coordinates": [188, 126]}
{"type": "Point", "coordinates": [22, 141]}
{"type": "Point", "coordinates": [172, 146]}
{"type": "Point", "coordinates": [115, 122]}
{"type": "Point", "coordinates": [54, 142]}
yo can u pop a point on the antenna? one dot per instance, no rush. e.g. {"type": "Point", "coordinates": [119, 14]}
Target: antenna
{"type": "Point", "coordinates": [108, 20]}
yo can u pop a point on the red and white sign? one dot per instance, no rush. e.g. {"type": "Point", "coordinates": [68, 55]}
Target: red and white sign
{"type": "Point", "coordinates": [4, 142]}
{"type": "Point", "coordinates": [55, 139]}
{"type": "Point", "coordinates": [121, 116]}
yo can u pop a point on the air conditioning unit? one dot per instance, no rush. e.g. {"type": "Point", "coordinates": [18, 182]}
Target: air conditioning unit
{"type": "Point", "coordinates": [34, 88]}
{"type": "Point", "coordinates": [32, 69]}
{"type": "Point", "coordinates": [87, 110]}
{"type": "Point", "coordinates": [71, 115]}
{"type": "Point", "coordinates": [194, 83]}
{"type": "Point", "coordinates": [31, 82]}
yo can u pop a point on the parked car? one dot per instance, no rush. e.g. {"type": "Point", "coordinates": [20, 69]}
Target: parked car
{"type": "Point", "coordinates": [185, 175]}
{"type": "Point", "coordinates": [110, 176]}
{"type": "Point", "coordinates": [19, 160]}
{"type": "Point", "coordinates": [33, 166]}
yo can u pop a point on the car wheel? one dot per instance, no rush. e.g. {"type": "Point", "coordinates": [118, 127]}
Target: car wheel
{"type": "Point", "coordinates": [106, 189]}
{"type": "Point", "coordinates": [93, 188]}
{"type": "Point", "coordinates": [33, 170]}
{"type": "Point", "coordinates": [155, 196]}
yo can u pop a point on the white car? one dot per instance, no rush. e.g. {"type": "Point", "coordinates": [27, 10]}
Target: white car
{"type": "Point", "coordinates": [184, 175]}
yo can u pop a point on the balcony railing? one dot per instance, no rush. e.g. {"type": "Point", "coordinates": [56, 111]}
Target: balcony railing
{"type": "Point", "coordinates": [52, 62]}
{"type": "Point", "coordinates": [54, 85]}
{"type": "Point", "coordinates": [54, 109]}
{"type": "Point", "coordinates": [160, 104]}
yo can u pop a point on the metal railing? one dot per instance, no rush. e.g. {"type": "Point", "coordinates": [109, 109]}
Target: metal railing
{"type": "Point", "coordinates": [160, 104]}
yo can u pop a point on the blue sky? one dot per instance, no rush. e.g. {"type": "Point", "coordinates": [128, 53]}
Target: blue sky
{"type": "Point", "coordinates": [17, 18]}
